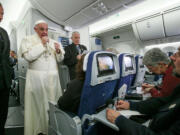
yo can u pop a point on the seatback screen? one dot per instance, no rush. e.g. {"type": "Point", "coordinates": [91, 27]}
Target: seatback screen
{"type": "Point", "coordinates": [128, 63]}
{"type": "Point", "coordinates": [105, 65]}
{"type": "Point", "coordinates": [141, 65]}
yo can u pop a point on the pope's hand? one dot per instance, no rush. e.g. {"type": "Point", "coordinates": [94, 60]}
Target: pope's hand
{"type": "Point", "coordinates": [45, 40]}
{"type": "Point", "coordinates": [57, 47]}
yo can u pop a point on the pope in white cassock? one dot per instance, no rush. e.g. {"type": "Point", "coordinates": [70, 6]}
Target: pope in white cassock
{"type": "Point", "coordinates": [42, 79]}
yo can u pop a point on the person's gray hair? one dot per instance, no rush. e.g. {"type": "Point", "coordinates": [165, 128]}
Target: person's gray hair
{"type": "Point", "coordinates": [155, 56]}
{"type": "Point", "coordinates": [75, 32]}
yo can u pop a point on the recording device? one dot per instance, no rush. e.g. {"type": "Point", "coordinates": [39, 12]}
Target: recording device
{"type": "Point", "coordinates": [47, 52]}
{"type": "Point", "coordinates": [109, 103]}
{"type": "Point", "coordinates": [134, 96]}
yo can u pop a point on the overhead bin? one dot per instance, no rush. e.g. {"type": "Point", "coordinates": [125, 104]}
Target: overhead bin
{"type": "Point", "coordinates": [172, 22]}
{"type": "Point", "coordinates": [150, 28]}
{"type": "Point", "coordinates": [76, 13]}
{"type": "Point", "coordinates": [163, 24]}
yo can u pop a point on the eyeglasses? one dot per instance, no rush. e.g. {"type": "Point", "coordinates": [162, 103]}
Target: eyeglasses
{"type": "Point", "coordinates": [153, 68]}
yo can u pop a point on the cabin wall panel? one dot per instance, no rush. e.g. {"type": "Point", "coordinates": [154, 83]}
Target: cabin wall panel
{"type": "Point", "coordinates": [127, 43]}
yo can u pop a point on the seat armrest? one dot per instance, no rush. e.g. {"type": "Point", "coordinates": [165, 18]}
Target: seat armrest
{"type": "Point", "coordinates": [87, 117]}
{"type": "Point", "coordinates": [101, 117]}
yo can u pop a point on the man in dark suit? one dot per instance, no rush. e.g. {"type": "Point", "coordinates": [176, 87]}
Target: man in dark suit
{"type": "Point", "coordinates": [164, 112]}
{"type": "Point", "coordinates": [73, 52]}
{"type": "Point", "coordinates": [5, 74]}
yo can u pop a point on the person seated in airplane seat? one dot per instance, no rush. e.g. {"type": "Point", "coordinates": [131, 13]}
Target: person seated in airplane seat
{"type": "Point", "coordinates": [158, 63]}
{"type": "Point", "coordinates": [164, 112]}
{"type": "Point", "coordinates": [71, 98]}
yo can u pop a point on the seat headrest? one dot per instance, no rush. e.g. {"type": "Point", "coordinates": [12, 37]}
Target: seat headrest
{"type": "Point", "coordinates": [85, 62]}
{"type": "Point", "coordinates": [123, 67]}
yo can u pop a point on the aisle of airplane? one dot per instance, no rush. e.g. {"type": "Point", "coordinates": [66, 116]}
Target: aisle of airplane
{"type": "Point", "coordinates": [117, 33]}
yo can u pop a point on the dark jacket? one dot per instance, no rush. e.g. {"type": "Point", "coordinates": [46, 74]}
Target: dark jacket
{"type": "Point", "coordinates": [71, 99]}
{"type": "Point", "coordinates": [165, 112]}
{"type": "Point", "coordinates": [70, 59]}
{"type": "Point", "coordinates": [5, 68]}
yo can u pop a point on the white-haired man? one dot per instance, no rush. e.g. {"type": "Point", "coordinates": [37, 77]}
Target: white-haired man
{"type": "Point", "coordinates": [73, 53]}
{"type": "Point", "coordinates": [42, 79]}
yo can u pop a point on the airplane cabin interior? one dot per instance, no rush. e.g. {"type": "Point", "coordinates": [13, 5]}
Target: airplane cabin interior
{"type": "Point", "coordinates": [128, 28]}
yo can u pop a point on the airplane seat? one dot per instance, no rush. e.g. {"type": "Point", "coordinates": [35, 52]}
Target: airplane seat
{"type": "Point", "coordinates": [133, 75]}
{"type": "Point", "coordinates": [127, 72]}
{"type": "Point", "coordinates": [140, 71]}
{"type": "Point", "coordinates": [100, 81]}
{"type": "Point", "coordinates": [63, 76]}
{"type": "Point", "coordinates": [102, 73]}
{"type": "Point", "coordinates": [61, 123]}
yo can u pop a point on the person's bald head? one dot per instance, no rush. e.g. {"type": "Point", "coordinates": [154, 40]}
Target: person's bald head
{"type": "Point", "coordinates": [75, 37]}
{"type": "Point", "coordinates": [1, 12]}
{"type": "Point", "coordinates": [41, 29]}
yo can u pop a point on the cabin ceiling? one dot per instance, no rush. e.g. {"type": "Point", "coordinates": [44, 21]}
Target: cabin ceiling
{"type": "Point", "coordinates": [115, 31]}
{"type": "Point", "coordinates": [76, 13]}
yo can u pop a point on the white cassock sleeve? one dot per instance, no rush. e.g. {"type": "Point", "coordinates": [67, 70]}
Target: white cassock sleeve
{"type": "Point", "coordinates": [60, 56]}
{"type": "Point", "coordinates": [31, 52]}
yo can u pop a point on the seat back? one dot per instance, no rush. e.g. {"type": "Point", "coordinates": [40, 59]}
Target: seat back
{"type": "Point", "coordinates": [127, 73]}
{"type": "Point", "coordinates": [64, 76]}
{"type": "Point", "coordinates": [140, 71]}
{"type": "Point", "coordinates": [100, 81]}
{"type": "Point", "coordinates": [102, 73]}
{"type": "Point", "coordinates": [60, 123]}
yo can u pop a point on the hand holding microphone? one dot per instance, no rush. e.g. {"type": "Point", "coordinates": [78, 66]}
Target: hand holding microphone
{"type": "Point", "coordinates": [57, 47]}
{"type": "Point", "coordinates": [45, 40]}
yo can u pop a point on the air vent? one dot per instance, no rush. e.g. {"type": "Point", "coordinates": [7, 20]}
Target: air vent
{"type": "Point", "coordinates": [113, 4]}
